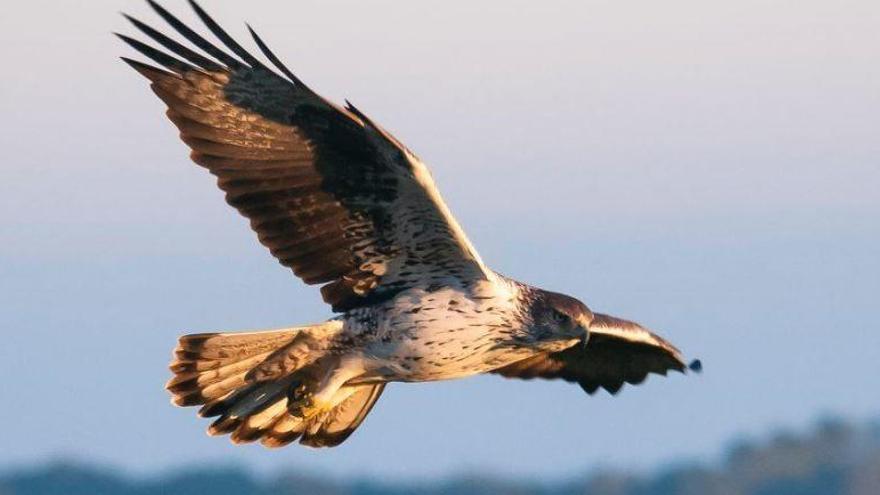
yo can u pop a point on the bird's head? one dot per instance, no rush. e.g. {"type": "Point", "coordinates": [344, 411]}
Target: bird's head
{"type": "Point", "coordinates": [559, 318]}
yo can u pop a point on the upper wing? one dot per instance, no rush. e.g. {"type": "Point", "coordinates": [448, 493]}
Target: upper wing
{"type": "Point", "coordinates": [331, 194]}
{"type": "Point", "coordinates": [618, 352]}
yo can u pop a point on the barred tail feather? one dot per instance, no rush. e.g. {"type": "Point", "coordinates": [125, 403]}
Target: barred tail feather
{"type": "Point", "coordinates": [208, 366]}
{"type": "Point", "coordinates": [246, 381]}
{"type": "Point", "coordinates": [330, 428]}
{"type": "Point", "coordinates": [261, 413]}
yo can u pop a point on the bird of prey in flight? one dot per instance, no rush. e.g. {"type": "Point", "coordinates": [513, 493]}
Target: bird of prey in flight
{"type": "Point", "coordinates": [342, 203]}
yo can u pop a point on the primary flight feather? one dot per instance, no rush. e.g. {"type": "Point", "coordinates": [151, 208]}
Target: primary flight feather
{"type": "Point", "coordinates": [344, 204]}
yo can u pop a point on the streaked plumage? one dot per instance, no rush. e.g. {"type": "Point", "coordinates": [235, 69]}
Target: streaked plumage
{"type": "Point", "coordinates": [343, 204]}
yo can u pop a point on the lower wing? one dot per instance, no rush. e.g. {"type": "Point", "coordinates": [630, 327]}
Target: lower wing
{"type": "Point", "coordinates": [618, 352]}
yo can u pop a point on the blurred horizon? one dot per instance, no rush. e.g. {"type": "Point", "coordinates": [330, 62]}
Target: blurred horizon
{"type": "Point", "coordinates": [861, 426]}
{"type": "Point", "coordinates": [710, 171]}
{"type": "Point", "coordinates": [833, 456]}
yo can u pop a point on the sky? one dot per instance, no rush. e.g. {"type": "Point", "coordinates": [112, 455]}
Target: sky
{"type": "Point", "coordinates": [708, 169]}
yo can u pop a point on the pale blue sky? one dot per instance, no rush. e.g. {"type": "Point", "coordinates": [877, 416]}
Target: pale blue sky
{"type": "Point", "coordinates": [711, 170]}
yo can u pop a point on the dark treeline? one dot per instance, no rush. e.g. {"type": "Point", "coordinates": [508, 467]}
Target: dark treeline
{"type": "Point", "coordinates": [834, 458]}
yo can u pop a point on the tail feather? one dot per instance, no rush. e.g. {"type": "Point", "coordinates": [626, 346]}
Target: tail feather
{"type": "Point", "coordinates": [236, 408]}
{"type": "Point", "coordinates": [231, 347]}
{"type": "Point", "coordinates": [331, 427]}
{"type": "Point", "coordinates": [186, 378]}
{"type": "Point", "coordinates": [252, 406]}
{"type": "Point", "coordinates": [208, 366]}
{"type": "Point", "coordinates": [245, 380]}
{"type": "Point", "coordinates": [255, 426]}
{"type": "Point", "coordinates": [341, 422]}
{"type": "Point", "coordinates": [285, 431]}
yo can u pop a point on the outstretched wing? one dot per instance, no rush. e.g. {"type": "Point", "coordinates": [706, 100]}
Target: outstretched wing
{"type": "Point", "coordinates": [331, 194]}
{"type": "Point", "coordinates": [618, 352]}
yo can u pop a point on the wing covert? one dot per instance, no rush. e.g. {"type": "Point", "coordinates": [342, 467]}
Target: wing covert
{"type": "Point", "coordinates": [331, 194]}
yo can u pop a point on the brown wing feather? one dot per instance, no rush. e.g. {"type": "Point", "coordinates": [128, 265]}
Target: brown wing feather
{"type": "Point", "coordinates": [618, 352]}
{"type": "Point", "coordinates": [333, 196]}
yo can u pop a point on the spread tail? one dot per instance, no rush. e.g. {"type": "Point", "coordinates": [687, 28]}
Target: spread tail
{"type": "Point", "coordinates": [250, 381]}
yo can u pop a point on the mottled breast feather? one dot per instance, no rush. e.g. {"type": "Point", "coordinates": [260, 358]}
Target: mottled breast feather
{"type": "Point", "coordinates": [330, 193]}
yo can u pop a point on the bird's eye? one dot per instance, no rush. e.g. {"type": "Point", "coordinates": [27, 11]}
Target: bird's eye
{"type": "Point", "coordinates": [559, 317]}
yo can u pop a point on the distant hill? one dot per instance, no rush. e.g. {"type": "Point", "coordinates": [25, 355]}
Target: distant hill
{"type": "Point", "coordinates": [835, 458]}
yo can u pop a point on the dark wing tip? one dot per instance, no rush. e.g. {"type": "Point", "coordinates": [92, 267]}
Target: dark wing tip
{"type": "Point", "coordinates": [174, 46]}
{"type": "Point", "coordinates": [194, 37]}
{"type": "Point", "coordinates": [696, 366]}
{"type": "Point", "coordinates": [146, 70]}
{"type": "Point", "coordinates": [157, 56]}
{"type": "Point", "coordinates": [224, 37]}
{"type": "Point", "coordinates": [275, 60]}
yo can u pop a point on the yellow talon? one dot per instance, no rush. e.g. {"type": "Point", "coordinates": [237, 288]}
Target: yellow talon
{"type": "Point", "coordinates": [305, 405]}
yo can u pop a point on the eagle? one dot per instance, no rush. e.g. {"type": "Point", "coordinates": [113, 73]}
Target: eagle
{"type": "Point", "coordinates": [343, 204]}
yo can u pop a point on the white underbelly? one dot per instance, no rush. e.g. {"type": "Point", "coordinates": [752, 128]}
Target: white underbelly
{"type": "Point", "coordinates": [441, 335]}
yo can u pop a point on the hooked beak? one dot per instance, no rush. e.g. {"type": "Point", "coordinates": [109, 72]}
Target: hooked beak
{"type": "Point", "coordinates": [585, 325]}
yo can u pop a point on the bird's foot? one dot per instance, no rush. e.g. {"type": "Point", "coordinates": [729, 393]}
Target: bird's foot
{"type": "Point", "coordinates": [305, 404]}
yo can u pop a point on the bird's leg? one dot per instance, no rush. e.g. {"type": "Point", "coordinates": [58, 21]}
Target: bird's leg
{"type": "Point", "coordinates": [300, 402]}
{"type": "Point", "coordinates": [311, 399]}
